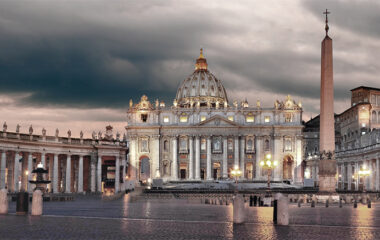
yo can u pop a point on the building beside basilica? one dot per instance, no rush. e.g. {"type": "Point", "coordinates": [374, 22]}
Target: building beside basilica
{"type": "Point", "coordinates": [203, 135]}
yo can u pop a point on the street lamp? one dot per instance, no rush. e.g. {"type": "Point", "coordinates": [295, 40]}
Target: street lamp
{"type": "Point", "coordinates": [364, 172]}
{"type": "Point", "coordinates": [236, 172]}
{"type": "Point", "coordinates": [269, 165]}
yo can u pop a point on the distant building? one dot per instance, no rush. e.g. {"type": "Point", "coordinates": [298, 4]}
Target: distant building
{"type": "Point", "coordinates": [357, 140]}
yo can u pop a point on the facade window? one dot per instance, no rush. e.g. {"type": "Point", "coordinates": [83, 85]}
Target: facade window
{"type": "Point", "coordinates": [203, 144]}
{"type": "Point", "coordinates": [144, 146]}
{"type": "Point", "coordinates": [249, 145]}
{"type": "Point", "coordinates": [250, 118]}
{"type": "Point", "coordinates": [288, 117]}
{"type": "Point", "coordinates": [183, 118]}
{"type": "Point", "coordinates": [266, 145]}
{"type": "Point", "coordinates": [288, 144]}
{"type": "Point", "coordinates": [182, 145]}
{"type": "Point", "coordinates": [144, 117]}
{"type": "Point", "coordinates": [267, 119]}
{"type": "Point", "coordinates": [203, 118]}
{"type": "Point", "coordinates": [166, 119]}
{"type": "Point", "coordinates": [217, 145]}
{"type": "Point", "coordinates": [231, 118]}
{"type": "Point", "coordinates": [230, 145]}
{"type": "Point", "coordinates": [166, 146]}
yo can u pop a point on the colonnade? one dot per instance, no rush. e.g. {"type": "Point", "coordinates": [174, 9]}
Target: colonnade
{"type": "Point", "coordinates": [349, 178]}
{"type": "Point", "coordinates": [69, 178]}
{"type": "Point", "coordinates": [194, 157]}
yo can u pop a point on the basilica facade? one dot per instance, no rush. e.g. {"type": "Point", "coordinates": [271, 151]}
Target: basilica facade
{"type": "Point", "coordinates": [203, 135]}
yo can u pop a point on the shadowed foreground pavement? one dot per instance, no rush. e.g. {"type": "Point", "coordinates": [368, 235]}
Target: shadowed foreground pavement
{"type": "Point", "coordinates": [90, 218]}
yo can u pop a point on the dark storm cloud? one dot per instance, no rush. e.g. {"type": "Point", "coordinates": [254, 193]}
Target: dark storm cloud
{"type": "Point", "coordinates": [360, 17]}
{"type": "Point", "coordinates": [76, 54]}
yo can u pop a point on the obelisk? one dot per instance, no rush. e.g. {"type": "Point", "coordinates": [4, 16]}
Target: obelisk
{"type": "Point", "coordinates": [327, 163]}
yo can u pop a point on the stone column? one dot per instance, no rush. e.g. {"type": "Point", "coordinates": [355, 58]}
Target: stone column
{"type": "Point", "coordinates": [298, 177]}
{"type": "Point", "coordinates": [30, 169]}
{"type": "Point", "coordinates": [357, 176]}
{"type": "Point", "coordinates": [99, 171]}
{"type": "Point", "coordinates": [16, 171]}
{"type": "Point", "coordinates": [342, 174]}
{"type": "Point", "coordinates": [377, 174]}
{"type": "Point", "coordinates": [369, 178]}
{"type": "Point", "coordinates": [197, 158]}
{"type": "Point", "coordinates": [349, 175]}
{"type": "Point", "coordinates": [277, 152]}
{"type": "Point", "coordinates": [208, 162]}
{"type": "Point", "coordinates": [225, 156]}
{"type": "Point", "coordinates": [155, 163]}
{"type": "Point", "coordinates": [93, 173]}
{"type": "Point", "coordinates": [117, 174]}
{"type": "Point", "coordinates": [191, 158]}
{"type": "Point", "coordinates": [258, 157]}
{"type": "Point", "coordinates": [80, 174]}
{"type": "Point", "coordinates": [68, 174]}
{"type": "Point", "coordinates": [124, 162]}
{"type": "Point", "coordinates": [43, 161]}
{"type": "Point", "coordinates": [236, 151]}
{"type": "Point", "coordinates": [2, 167]}
{"type": "Point", "coordinates": [242, 157]}
{"type": "Point", "coordinates": [55, 174]}
{"type": "Point", "coordinates": [132, 159]}
{"type": "Point", "coordinates": [175, 160]}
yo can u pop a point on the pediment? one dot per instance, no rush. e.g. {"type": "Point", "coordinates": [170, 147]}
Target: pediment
{"type": "Point", "coordinates": [217, 121]}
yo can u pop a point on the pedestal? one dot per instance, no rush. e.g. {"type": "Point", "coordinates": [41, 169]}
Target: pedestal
{"type": "Point", "coordinates": [37, 203]}
{"type": "Point", "coordinates": [239, 211]}
{"type": "Point", "coordinates": [3, 201]}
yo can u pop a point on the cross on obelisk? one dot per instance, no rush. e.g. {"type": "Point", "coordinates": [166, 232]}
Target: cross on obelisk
{"type": "Point", "coordinates": [326, 21]}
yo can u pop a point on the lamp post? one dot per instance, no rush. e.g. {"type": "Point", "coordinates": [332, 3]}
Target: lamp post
{"type": "Point", "coordinates": [236, 172]}
{"type": "Point", "coordinates": [269, 165]}
{"type": "Point", "coordinates": [364, 172]}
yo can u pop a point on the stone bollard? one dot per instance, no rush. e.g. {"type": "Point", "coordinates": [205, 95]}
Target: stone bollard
{"type": "Point", "coordinates": [340, 202]}
{"type": "Point", "coordinates": [369, 203]}
{"type": "Point", "coordinates": [37, 203]}
{"type": "Point", "coordinates": [282, 209]}
{"type": "Point", "coordinates": [364, 199]}
{"type": "Point", "coordinates": [238, 209]}
{"type": "Point", "coordinates": [312, 203]}
{"type": "Point", "coordinates": [327, 203]}
{"type": "Point", "coordinates": [355, 204]}
{"type": "Point", "coordinates": [3, 201]}
{"type": "Point", "coordinates": [299, 203]}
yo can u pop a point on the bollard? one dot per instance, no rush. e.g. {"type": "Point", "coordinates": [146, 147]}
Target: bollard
{"type": "Point", "coordinates": [22, 204]}
{"type": "Point", "coordinates": [3, 201]}
{"type": "Point", "coordinates": [255, 201]}
{"type": "Point", "coordinates": [369, 203]}
{"type": "Point", "coordinates": [250, 201]}
{"type": "Point", "coordinates": [238, 209]}
{"type": "Point", "coordinates": [282, 209]}
{"type": "Point", "coordinates": [327, 203]}
{"type": "Point", "coordinates": [275, 211]}
{"type": "Point", "coordinates": [299, 203]}
{"type": "Point", "coordinates": [312, 203]}
{"type": "Point", "coordinates": [355, 204]}
{"type": "Point", "coordinates": [340, 203]}
{"type": "Point", "coordinates": [37, 203]}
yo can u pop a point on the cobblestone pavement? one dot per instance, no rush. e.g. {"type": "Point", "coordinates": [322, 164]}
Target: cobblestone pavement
{"type": "Point", "coordinates": [91, 218]}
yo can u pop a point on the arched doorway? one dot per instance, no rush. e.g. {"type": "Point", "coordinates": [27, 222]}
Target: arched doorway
{"type": "Point", "coordinates": [144, 166]}
{"type": "Point", "coordinates": [287, 167]}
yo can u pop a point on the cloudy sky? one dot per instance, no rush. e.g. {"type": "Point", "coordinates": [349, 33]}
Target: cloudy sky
{"type": "Point", "coordinates": [75, 64]}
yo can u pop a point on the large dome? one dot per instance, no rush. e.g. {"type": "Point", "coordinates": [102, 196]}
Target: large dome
{"type": "Point", "coordinates": [202, 88]}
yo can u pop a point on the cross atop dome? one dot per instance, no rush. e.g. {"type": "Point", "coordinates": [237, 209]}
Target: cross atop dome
{"type": "Point", "coordinates": [201, 63]}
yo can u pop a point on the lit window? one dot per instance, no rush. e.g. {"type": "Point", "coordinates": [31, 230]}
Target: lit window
{"type": "Point", "coordinates": [203, 118]}
{"type": "Point", "coordinates": [267, 119]}
{"type": "Point", "coordinates": [183, 119]}
{"type": "Point", "coordinates": [166, 119]}
{"type": "Point", "coordinates": [231, 118]}
{"type": "Point", "coordinates": [250, 119]}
